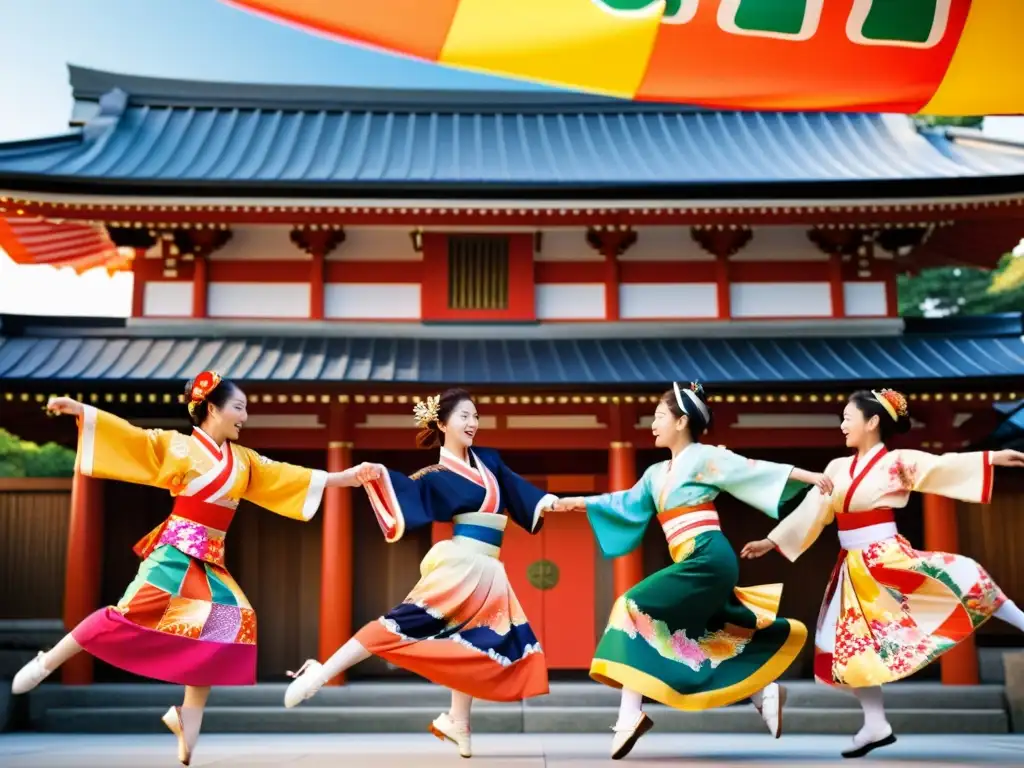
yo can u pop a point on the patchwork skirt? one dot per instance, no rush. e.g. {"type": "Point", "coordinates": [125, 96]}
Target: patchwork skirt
{"type": "Point", "coordinates": [182, 620]}
{"type": "Point", "coordinates": [462, 627]}
{"type": "Point", "coordinates": [890, 610]}
{"type": "Point", "coordinates": [689, 638]}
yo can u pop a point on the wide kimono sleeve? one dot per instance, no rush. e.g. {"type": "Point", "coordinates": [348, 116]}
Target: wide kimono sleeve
{"type": "Point", "coordinates": [284, 489]}
{"type": "Point", "coordinates": [524, 502]}
{"type": "Point", "coordinates": [619, 519]}
{"type": "Point", "coordinates": [403, 503]}
{"type": "Point", "coordinates": [112, 449]}
{"type": "Point", "coordinates": [962, 476]}
{"type": "Point", "coordinates": [764, 485]}
{"type": "Point", "coordinates": [802, 527]}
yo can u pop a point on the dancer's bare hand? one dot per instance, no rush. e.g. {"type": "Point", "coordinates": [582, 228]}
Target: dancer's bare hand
{"type": "Point", "coordinates": [65, 405]}
{"type": "Point", "coordinates": [570, 504]}
{"type": "Point", "coordinates": [755, 549]}
{"type": "Point", "coordinates": [823, 483]}
{"type": "Point", "coordinates": [367, 472]}
{"type": "Point", "coordinates": [1008, 458]}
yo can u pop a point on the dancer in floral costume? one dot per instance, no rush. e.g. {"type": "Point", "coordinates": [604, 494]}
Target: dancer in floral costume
{"type": "Point", "coordinates": [687, 636]}
{"type": "Point", "coordinates": [889, 609]}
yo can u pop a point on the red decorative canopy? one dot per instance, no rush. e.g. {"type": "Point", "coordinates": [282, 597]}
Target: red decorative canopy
{"type": "Point", "coordinates": [35, 240]}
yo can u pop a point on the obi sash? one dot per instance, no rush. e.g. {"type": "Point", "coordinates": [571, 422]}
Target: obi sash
{"type": "Point", "coordinates": [480, 531]}
{"type": "Point", "coordinates": [194, 527]}
{"type": "Point", "coordinates": [683, 524]}
{"type": "Point", "coordinates": [858, 530]}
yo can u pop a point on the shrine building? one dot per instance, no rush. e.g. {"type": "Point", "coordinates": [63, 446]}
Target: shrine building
{"type": "Point", "coordinates": [341, 252]}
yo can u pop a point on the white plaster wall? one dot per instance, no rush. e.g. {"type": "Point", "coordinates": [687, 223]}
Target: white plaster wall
{"type": "Point", "coordinates": [566, 245]}
{"type": "Point", "coordinates": [665, 244]}
{"type": "Point", "coordinates": [258, 300]}
{"type": "Point", "coordinates": [165, 298]}
{"type": "Point", "coordinates": [376, 244]}
{"type": "Point", "coordinates": [570, 301]}
{"type": "Point", "coordinates": [780, 244]}
{"type": "Point", "coordinates": [260, 243]}
{"type": "Point", "coordinates": [865, 299]}
{"type": "Point", "coordinates": [372, 301]}
{"type": "Point", "coordinates": [780, 299]}
{"type": "Point", "coordinates": [667, 300]}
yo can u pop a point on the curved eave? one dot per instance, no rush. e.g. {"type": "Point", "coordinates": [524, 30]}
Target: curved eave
{"type": "Point", "coordinates": [748, 190]}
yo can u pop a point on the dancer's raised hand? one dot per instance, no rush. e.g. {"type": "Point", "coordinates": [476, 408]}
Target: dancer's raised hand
{"type": "Point", "coordinates": [367, 472]}
{"type": "Point", "coordinates": [65, 405]}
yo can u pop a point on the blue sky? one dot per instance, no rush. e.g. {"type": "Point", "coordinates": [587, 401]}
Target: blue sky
{"type": "Point", "coordinates": [191, 39]}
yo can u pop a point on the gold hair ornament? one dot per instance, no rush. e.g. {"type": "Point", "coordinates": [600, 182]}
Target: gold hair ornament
{"type": "Point", "coordinates": [894, 402]}
{"type": "Point", "coordinates": [426, 411]}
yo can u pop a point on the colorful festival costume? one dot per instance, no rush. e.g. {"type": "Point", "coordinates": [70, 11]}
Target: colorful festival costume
{"type": "Point", "coordinates": [184, 619]}
{"type": "Point", "coordinates": [687, 636]}
{"type": "Point", "coordinates": [461, 626]}
{"type": "Point", "coordinates": [889, 609]}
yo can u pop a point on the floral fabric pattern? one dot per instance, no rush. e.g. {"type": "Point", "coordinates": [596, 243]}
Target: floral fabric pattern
{"type": "Point", "coordinates": [712, 647]}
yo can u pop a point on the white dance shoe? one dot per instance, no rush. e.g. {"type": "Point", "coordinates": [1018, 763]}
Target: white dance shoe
{"type": "Point", "coordinates": [626, 738]}
{"type": "Point", "coordinates": [172, 719]}
{"type": "Point", "coordinates": [867, 741]}
{"type": "Point", "coordinates": [308, 680]}
{"type": "Point", "coordinates": [31, 675]}
{"type": "Point", "coordinates": [458, 734]}
{"type": "Point", "coordinates": [773, 699]}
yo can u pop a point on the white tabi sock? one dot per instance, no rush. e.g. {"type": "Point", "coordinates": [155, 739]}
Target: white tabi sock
{"type": "Point", "coordinates": [630, 707]}
{"type": "Point", "coordinates": [350, 654]}
{"type": "Point", "coordinates": [191, 723]}
{"type": "Point", "coordinates": [461, 705]}
{"type": "Point", "coordinates": [757, 698]}
{"type": "Point", "coordinates": [1011, 614]}
{"type": "Point", "coordinates": [876, 725]}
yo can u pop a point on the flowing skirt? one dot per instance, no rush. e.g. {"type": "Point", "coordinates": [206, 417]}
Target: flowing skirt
{"type": "Point", "coordinates": [890, 610]}
{"type": "Point", "coordinates": [687, 637]}
{"type": "Point", "coordinates": [462, 627]}
{"type": "Point", "coordinates": [182, 620]}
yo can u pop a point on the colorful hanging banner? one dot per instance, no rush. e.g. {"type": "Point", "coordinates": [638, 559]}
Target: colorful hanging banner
{"type": "Point", "coordinates": [939, 57]}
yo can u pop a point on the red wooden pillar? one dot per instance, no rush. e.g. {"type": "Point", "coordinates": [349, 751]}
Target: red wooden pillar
{"type": "Point", "coordinates": [958, 666]}
{"type": "Point", "coordinates": [84, 572]}
{"type": "Point", "coordinates": [316, 285]}
{"type": "Point", "coordinates": [611, 243]}
{"type": "Point", "coordinates": [722, 243]}
{"type": "Point", "coordinates": [628, 570]}
{"type": "Point", "coordinates": [336, 562]}
{"type": "Point", "coordinates": [836, 285]}
{"type": "Point", "coordinates": [200, 286]}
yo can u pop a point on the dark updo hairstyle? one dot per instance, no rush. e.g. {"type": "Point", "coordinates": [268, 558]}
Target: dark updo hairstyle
{"type": "Point", "coordinates": [223, 392]}
{"type": "Point", "coordinates": [697, 423]}
{"type": "Point", "coordinates": [431, 436]}
{"type": "Point", "coordinates": [868, 404]}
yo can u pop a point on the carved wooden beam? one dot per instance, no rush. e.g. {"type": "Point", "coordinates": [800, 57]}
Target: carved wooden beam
{"type": "Point", "coordinates": [722, 243]}
{"type": "Point", "coordinates": [318, 241]}
{"type": "Point", "coordinates": [611, 240]}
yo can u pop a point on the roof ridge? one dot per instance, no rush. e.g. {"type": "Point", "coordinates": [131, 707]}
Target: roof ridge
{"type": "Point", "coordinates": [92, 84]}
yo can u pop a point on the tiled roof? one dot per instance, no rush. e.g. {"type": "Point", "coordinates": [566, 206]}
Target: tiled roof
{"type": "Point", "coordinates": [174, 134]}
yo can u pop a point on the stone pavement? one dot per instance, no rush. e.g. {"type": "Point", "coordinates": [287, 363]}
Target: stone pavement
{"type": "Point", "coordinates": [35, 750]}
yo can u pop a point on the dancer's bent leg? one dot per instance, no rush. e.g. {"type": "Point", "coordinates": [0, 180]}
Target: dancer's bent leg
{"type": "Point", "coordinates": [312, 675]}
{"type": "Point", "coordinates": [1011, 614]}
{"type": "Point", "coordinates": [876, 731]}
{"type": "Point", "coordinates": [769, 702]}
{"type": "Point", "coordinates": [631, 725]}
{"type": "Point", "coordinates": [453, 725]}
{"type": "Point", "coordinates": [44, 664]}
{"type": "Point", "coordinates": [186, 721]}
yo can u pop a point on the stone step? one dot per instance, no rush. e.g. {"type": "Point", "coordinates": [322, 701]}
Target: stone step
{"type": "Point", "coordinates": [802, 694]}
{"type": "Point", "coordinates": [510, 718]}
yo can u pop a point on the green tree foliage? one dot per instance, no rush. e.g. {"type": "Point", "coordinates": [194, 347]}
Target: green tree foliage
{"type": "Point", "coordinates": [933, 121]}
{"type": "Point", "coordinates": [20, 458]}
{"type": "Point", "coordinates": [945, 291]}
